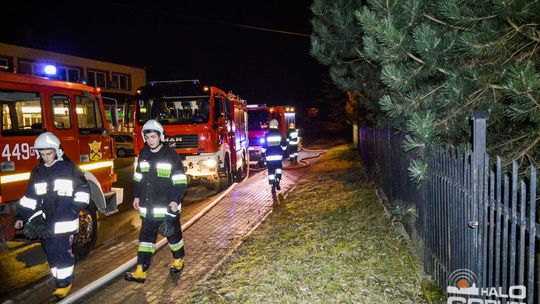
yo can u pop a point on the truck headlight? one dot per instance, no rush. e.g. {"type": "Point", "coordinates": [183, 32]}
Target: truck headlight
{"type": "Point", "coordinates": [210, 163]}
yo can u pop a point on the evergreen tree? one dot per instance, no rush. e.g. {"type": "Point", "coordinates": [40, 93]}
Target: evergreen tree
{"type": "Point", "coordinates": [441, 60]}
{"type": "Point", "coordinates": [444, 59]}
{"type": "Point", "coordinates": [337, 42]}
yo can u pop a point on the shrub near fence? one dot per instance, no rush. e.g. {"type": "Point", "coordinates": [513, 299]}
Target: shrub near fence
{"type": "Point", "coordinates": [471, 222]}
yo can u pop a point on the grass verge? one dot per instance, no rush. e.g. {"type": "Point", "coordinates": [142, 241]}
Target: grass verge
{"type": "Point", "coordinates": [15, 274]}
{"type": "Point", "coordinates": [329, 242]}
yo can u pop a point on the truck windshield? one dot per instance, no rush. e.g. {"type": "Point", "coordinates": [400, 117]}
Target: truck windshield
{"type": "Point", "coordinates": [174, 110]}
{"type": "Point", "coordinates": [257, 119]}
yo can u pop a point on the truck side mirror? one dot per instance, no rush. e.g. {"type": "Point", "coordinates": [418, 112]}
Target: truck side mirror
{"type": "Point", "coordinates": [114, 116]}
{"type": "Point", "coordinates": [113, 108]}
{"type": "Point", "coordinates": [126, 113]}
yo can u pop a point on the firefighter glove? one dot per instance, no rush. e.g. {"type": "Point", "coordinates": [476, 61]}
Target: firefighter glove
{"type": "Point", "coordinates": [36, 227]}
{"type": "Point", "coordinates": [167, 228]}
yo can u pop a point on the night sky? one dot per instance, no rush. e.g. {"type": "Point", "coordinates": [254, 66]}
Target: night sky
{"type": "Point", "coordinates": [184, 40]}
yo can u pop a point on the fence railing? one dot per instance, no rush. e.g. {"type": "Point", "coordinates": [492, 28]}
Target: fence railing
{"type": "Point", "coordinates": [475, 225]}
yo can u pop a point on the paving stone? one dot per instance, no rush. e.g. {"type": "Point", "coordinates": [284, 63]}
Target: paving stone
{"type": "Point", "coordinates": [207, 242]}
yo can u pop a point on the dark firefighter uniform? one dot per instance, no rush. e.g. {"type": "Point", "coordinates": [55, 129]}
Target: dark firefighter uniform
{"type": "Point", "coordinates": [274, 146]}
{"type": "Point", "coordinates": [159, 180]}
{"type": "Point", "coordinates": [54, 197]}
{"type": "Point", "coordinates": [292, 139]}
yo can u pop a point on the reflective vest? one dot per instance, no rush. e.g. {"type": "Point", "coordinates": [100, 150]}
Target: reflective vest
{"type": "Point", "coordinates": [274, 145]}
{"type": "Point", "coordinates": [159, 179]}
{"type": "Point", "coordinates": [61, 185]}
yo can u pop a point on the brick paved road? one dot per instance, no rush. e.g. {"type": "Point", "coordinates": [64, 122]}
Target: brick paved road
{"type": "Point", "coordinates": [208, 242]}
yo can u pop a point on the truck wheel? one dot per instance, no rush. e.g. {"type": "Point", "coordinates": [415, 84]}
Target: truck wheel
{"type": "Point", "coordinates": [85, 239]}
{"type": "Point", "coordinates": [241, 174]}
{"type": "Point", "coordinates": [121, 153]}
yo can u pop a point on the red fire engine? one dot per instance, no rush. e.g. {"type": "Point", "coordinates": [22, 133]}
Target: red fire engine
{"type": "Point", "coordinates": [206, 126]}
{"type": "Point", "coordinates": [259, 117]}
{"type": "Point", "coordinates": [74, 112]}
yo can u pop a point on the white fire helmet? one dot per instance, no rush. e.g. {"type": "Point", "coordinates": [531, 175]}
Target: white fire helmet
{"type": "Point", "coordinates": [155, 126]}
{"type": "Point", "coordinates": [274, 124]}
{"type": "Point", "coordinates": [47, 141]}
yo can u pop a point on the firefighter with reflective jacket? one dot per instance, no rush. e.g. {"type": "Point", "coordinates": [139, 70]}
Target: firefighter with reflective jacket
{"type": "Point", "coordinates": [274, 146]}
{"type": "Point", "coordinates": [292, 140]}
{"type": "Point", "coordinates": [57, 192]}
{"type": "Point", "coordinates": [160, 184]}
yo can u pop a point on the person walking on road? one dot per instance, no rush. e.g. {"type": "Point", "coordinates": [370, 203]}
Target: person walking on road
{"type": "Point", "coordinates": [292, 139]}
{"type": "Point", "coordinates": [160, 184]}
{"type": "Point", "coordinates": [57, 191]}
{"type": "Point", "coordinates": [273, 147]}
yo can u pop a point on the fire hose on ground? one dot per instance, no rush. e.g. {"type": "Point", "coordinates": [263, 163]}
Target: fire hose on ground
{"type": "Point", "coordinates": [131, 263]}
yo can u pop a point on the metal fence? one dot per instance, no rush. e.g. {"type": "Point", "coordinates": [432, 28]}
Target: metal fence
{"type": "Point", "coordinates": [472, 222]}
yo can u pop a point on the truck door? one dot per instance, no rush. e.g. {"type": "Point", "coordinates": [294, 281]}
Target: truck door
{"type": "Point", "coordinates": [93, 141]}
{"type": "Point", "coordinates": [62, 108]}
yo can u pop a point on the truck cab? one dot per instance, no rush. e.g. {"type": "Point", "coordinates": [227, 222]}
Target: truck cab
{"type": "Point", "coordinates": [206, 126]}
{"type": "Point", "coordinates": [74, 113]}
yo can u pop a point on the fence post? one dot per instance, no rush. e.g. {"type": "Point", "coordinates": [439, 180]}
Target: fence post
{"type": "Point", "coordinates": [479, 152]}
{"type": "Point", "coordinates": [390, 180]}
{"type": "Point", "coordinates": [355, 134]}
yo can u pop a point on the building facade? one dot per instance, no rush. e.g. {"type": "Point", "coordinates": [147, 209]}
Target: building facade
{"type": "Point", "coordinates": [118, 83]}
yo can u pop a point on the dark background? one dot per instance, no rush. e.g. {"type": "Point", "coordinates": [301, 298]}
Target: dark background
{"type": "Point", "coordinates": [183, 40]}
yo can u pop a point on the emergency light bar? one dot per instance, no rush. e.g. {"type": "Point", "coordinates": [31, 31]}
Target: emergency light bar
{"type": "Point", "coordinates": [250, 106]}
{"type": "Point", "coordinates": [50, 69]}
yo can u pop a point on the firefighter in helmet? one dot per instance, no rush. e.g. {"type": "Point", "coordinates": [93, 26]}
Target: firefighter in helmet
{"type": "Point", "coordinates": [49, 210]}
{"type": "Point", "coordinates": [292, 140]}
{"type": "Point", "coordinates": [160, 184]}
{"type": "Point", "coordinates": [273, 147]}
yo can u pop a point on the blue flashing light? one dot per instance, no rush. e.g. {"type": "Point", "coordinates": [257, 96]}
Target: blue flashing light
{"type": "Point", "coordinates": [261, 140]}
{"type": "Point", "coordinates": [50, 69]}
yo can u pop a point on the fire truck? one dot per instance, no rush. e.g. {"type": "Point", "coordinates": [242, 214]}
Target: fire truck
{"type": "Point", "coordinates": [206, 126]}
{"type": "Point", "coordinates": [74, 112]}
{"type": "Point", "coordinates": [259, 115]}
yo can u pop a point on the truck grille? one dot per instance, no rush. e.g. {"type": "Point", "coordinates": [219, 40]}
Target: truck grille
{"type": "Point", "coordinates": [183, 141]}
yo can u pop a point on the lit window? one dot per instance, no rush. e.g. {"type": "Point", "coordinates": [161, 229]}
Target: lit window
{"type": "Point", "coordinates": [61, 112]}
{"type": "Point", "coordinates": [4, 64]}
{"type": "Point", "coordinates": [25, 109]}
{"type": "Point", "coordinates": [89, 115]}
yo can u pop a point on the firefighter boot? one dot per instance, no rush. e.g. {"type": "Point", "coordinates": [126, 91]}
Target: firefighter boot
{"type": "Point", "coordinates": [60, 293]}
{"type": "Point", "coordinates": [277, 185]}
{"type": "Point", "coordinates": [138, 276]}
{"type": "Point", "coordinates": [177, 266]}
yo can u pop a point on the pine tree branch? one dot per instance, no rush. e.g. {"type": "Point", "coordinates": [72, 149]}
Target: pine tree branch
{"type": "Point", "coordinates": [433, 91]}
{"type": "Point", "coordinates": [444, 23]}
{"type": "Point", "coordinates": [533, 99]}
{"type": "Point", "coordinates": [519, 29]}
{"type": "Point", "coordinates": [524, 152]}
{"type": "Point", "coordinates": [533, 51]}
{"type": "Point", "coordinates": [510, 141]}
{"type": "Point", "coordinates": [361, 55]}
{"type": "Point", "coordinates": [519, 50]}
{"type": "Point", "coordinates": [472, 100]}
{"type": "Point", "coordinates": [409, 54]}
{"type": "Point", "coordinates": [352, 61]}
